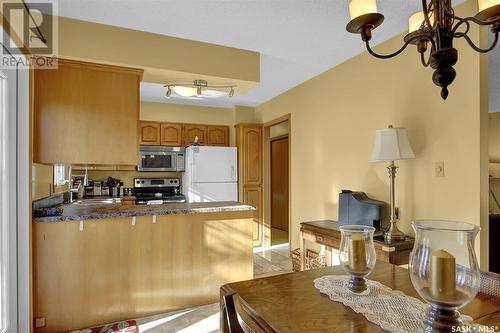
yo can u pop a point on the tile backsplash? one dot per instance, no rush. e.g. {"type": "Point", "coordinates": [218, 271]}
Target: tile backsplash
{"type": "Point", "coordinates": [127, 177]}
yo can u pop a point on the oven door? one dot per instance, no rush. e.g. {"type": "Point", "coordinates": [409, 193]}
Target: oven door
{"type": "Point", "coordinates": [157, 161]}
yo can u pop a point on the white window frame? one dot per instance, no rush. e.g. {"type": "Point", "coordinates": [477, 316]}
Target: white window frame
{"type": "Point", "coordinates": [15, 204]}
{"type": "Point", "coordinates": [5, 232]}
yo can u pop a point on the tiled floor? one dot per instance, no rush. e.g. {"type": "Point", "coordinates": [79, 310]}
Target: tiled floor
{"type": "Point", "coordinates": [205, 319]}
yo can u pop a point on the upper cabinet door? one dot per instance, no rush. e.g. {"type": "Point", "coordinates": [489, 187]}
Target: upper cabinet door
{"type": "Point", "coordinates": [218, 136]}
{"type": "Point", "coordinates": [149, 133]}
{"type": "Point", "coordinates": [193, 131]}
{"type": "Point", "coordinates": [86, 113]}
{"type": "Point", "coordinates": [252, 155]}
{"type": "Point", "coordinates": [171, 134]}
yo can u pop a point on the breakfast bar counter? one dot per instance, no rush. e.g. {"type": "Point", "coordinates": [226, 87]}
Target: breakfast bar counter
{"type": "Point", "coordinates": [85, 211]}
{"type": "Point", "coordinates": [98, 264]}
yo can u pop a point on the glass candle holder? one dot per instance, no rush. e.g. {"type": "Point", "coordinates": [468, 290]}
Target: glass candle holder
{"type": "Point", "coordinates": [444, 270]}
{"type": "Point", "coordinates": [357, 255]}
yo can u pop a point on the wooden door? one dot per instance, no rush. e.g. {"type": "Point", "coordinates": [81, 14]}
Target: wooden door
{"type": "Point", "coordinates": [218, 136]}
{"type": "Point", "coordinates": [252, 150]}
{"type": "Point", "coordinates": [252, 195]}
{"type": "Point", "coordinates": [149, 133]}
{"type": "Point", "coordinates": [171, 134]}
{"type": "Point", "coordinates": [279, 184]}
{"type": "Point", "coordinates": [192, 131]}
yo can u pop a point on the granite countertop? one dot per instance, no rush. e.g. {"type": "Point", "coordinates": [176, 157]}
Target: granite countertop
{"type": "Point", "coordinates": [75, 212]}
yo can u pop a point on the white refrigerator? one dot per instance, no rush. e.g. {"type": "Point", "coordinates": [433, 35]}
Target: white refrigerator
{"type": "Point", "coordinates": [211, 174]}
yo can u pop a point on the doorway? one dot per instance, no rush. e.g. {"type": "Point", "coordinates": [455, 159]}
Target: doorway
{"type": "Point", "coordinates": [277, 195]}
{"type": "Point", "coordinates": [279, 190]}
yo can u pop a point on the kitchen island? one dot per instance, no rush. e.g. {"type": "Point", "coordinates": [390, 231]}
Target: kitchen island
{"type": "Point", "coordinates": [97, 264]}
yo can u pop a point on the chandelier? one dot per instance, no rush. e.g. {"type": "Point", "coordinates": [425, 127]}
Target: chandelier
{"type": "Point", "coordinates": [436, 25]}
{"type": "Point", "coordinates": [199, 88]}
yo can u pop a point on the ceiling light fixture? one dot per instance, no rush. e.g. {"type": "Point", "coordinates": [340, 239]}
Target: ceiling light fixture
{"type": "Point", "coordinates": [436, 24]}
{"type": "Point", "coordinates": [199, 88]}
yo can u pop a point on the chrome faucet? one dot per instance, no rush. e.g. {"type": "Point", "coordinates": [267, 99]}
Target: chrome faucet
{"type": "Point", "coordinates": [70, 182]}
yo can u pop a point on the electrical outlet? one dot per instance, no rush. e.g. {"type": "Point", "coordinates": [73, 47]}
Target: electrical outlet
{"type": "Point", "coordinates": [439, 169]}
{"type": "Point", "coordinates": [40, 322]}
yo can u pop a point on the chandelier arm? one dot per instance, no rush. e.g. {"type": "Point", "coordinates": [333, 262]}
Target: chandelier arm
{"type": "Point", "coordinates": [422, 57]}
{"type": "Point", "coordinates": [181, 84]}
{"type": "Point", "coordinates": [476, 20]}
{"type": "Point", "coordinates": [222, 87]}
{"type": "Point", "coordinates": [425, 9]}
{"type": "Point", "coordinates": [460, 34]}
{"type": "Point", "coordinates": [471, 43]}
{"type": "Point", "coordinates": [391, 55]}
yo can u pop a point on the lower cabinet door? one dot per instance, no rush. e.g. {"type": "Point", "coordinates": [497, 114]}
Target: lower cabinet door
{"type": "Point", "coordinates": [252, 195]}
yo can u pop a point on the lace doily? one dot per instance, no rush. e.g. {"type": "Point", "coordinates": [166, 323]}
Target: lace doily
{"type": "Point", "coordinates": [390, 309]}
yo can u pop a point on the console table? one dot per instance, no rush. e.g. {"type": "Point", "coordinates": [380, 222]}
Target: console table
{"type": "Point", "coordinates": [327, 233]}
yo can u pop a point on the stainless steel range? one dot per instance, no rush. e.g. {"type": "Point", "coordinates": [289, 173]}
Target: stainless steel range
{"type": "Point", "coordinates": [151, 191]}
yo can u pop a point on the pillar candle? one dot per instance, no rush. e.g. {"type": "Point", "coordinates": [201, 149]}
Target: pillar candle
{"type": "Point", "coordinates": [357, 255]}
{"type": "Point", "coordinates": [442, 269]}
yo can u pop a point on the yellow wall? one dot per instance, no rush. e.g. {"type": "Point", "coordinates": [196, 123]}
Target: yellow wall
{"type": "Point", "coordinates": [278, 130]}
{"type": "Point", "coordinates": [333, 121]}
{"type": "Point", "coordinates": [494, 136]}
{"type": "Point", "coordinates": [42, 180]}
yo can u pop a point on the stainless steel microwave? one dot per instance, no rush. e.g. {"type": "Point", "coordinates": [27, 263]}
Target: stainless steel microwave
{"type": "Point", "coordinates": [160, 158]}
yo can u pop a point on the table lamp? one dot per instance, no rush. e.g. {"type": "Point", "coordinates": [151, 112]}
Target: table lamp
{"type": "Point", "coordinates": [391, 144]}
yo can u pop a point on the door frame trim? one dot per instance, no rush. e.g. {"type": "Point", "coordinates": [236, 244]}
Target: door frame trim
{"type": "Point", "coordinates": [266, 239]}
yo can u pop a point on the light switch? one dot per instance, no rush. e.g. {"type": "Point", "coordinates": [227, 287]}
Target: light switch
{"type": "Point", "coordinates": [439, 169]}
{"type": "Point", "coordinates": [40, 322]}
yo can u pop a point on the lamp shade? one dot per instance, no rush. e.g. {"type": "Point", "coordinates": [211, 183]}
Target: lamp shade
{"type": "Point", "coordinates": [361, 7]}
{"type": "Point", "coordinates": [391, 144]}
{"type": "Point", "coordinates": [185, 91]}
{"type": "Point", "coordinates": [415, 21]}
{"type": "Point", "coordinates": [485, 4]}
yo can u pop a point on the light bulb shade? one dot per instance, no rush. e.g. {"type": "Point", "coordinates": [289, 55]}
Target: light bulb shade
{"type": "Point", "coordinates": [362, 7]}
{"type": "Point", "coordinates": [485, 4]}
{"type": "Point", "coordinates": [391, 144]}
{"type": "Point", "coordinates": [415, 21]}
{"type": "Point", "coordinates": [184, 91]}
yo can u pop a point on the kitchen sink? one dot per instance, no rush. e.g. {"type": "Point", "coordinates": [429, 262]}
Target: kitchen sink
{"type": "Point", "coordinates": [98, 201]}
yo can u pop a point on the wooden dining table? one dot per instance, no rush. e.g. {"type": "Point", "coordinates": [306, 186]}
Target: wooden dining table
{"type": "Point", "coordinates": [291, 303]}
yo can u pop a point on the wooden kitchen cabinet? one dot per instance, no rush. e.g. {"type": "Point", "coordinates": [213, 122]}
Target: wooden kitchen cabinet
{"type": "Point", "coordinates": [171, 134]}
{"type": "Point", "coordinates": [250, 144]}
{"type": "Point", "coordinates": [250, 165]}
{"type": "Point", "coordinates": [113, 270]}
{"type": "Point", "coordinates": [86, 113]}
{"type": "Point", "coordinates": [218, 136]}
{"type": "Point", "coordinates": [191, 131]}
{"type": "Point", "coordinates": [177, 134]}
{"type": "Point", "coordinates": [150, 133]}
{"type": "Point", "coordinates": [252, 195]}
